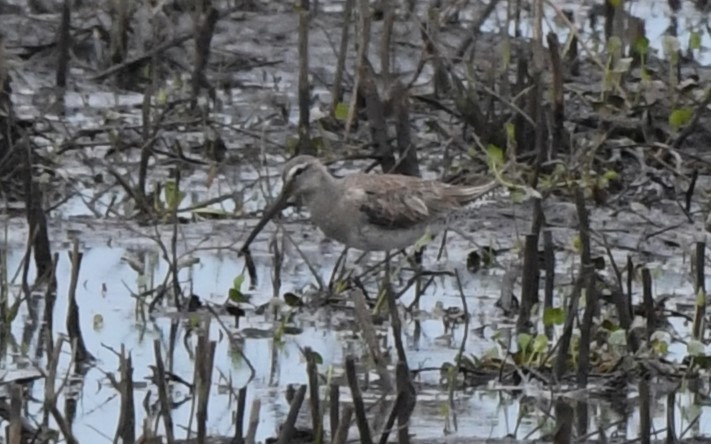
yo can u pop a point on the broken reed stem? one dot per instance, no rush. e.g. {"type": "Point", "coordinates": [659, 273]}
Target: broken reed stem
{"type": "Point", "coordinates": [127, 416]}
{"type": "Point", "coordinates": [341, 433]}
{"type": "Point", "coordinates": [572, 61]}
{"type": "Point", "coordinates": [162, 384]}
{"type": "Point", "coordinates": [529, 282]}
{"type": "Point", "coordinates": [287, 430]}
{"type": "Point", "coordinates": [73, 323]}
{"type": "Point", "coordinates": [369, 335]}
{"type": "Point", "coordinates": [36, 217]}
{"type": "Point", "coordinates": [563, 421]}
{"type": "Point", "coordinates": [177, 292]}
{"type": "Point", "coordinates": [645, 414]}
{"type": "Point", "coordinates": [119, 32]}
{"type": "Point", "coordinates": [648, 301]}
{"type": "Point", "coordinates": [14, 435]}
{"type": "Point", "coordinates": [253, 421]}
{"type": "Point", "coordinates": [363, 41]}
{"type": "Point", "coordinates": [402, 407]}
{"type": "Point", "coordinates": [387, 33]}
{"type": "Point", "coordinates": [204, 32]}
{"type": "Point", "coordinates": [377, 121]}
{"type": "Point", "coordinates": [630, 280]}
{"type": "Point", "coordinates": [621, 303]}
{"type": "Point", "coordinates": [239, 419]}
{"type": "Point", "coordinates": [277, 262]}
{"type": "Point", "coordinates": [50, 403]}
{"type": "Point", "coordinates": [50, 299]}
{"type": "Point", "coordinates": [337, 93]}
{"type": "Point", "coordinates": [407, 162]}
{"type": "Point", "coordinates": [671, 417]}
{"type": "Point", "coordinates": [549, 265]}
{"type": "Point", "coordinates": [699, 265]}
{"type": "Point", "coordinates": [63, 43]}
{"type": "Point", "coordinates": [147, 130]}
{"type": "Point", "coordinates": [304, 144]}
{"type": "Point", "coordinates": [586, 272]}
{"type": "Point", "coordinates": [460, 354]}
{"type": "Point", "coordinates": [395, 323]}
{"type": "Point", "coordinates": [204, 362]}
{"type": "Point", "coordinates": [558, 96]}
{"type": "Point", "coordinates": [359, 409]}
{"type": "Point", "coordinates": [334, 403]}
{"type": "Point", "coordinates": [405, 402]}
{"type": "Point", "coordinates": [316, 418]}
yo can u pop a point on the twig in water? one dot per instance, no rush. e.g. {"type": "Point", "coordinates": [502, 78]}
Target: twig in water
{"type": "Point", "coordinates": [369, 335]}
{"type": "Point", "coordinates": [253, 421]}
{"type": "Point", "coordinates": [287, 430]}
{"type": "Point", "coordinates": [162, 383]}
{"type": "Point", "coordinates": [316, 418]}
{"type": "Point", "coordinates": [204, 362]}
{"type": "Point", "coordinates": [73, 325]}
{"type": "Point", "coordinates": [361, 420]}
{"type": "Point", "coordinates": [344, 424]}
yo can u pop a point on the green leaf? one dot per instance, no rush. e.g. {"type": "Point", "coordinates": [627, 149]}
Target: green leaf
{"type": "Point", "coordinates": [618, 337]}
{"type": "Point", "coordinates": [517, 196]}
{"type": "Point", "coordinates": [237, 296]}
{"type": "Point", "coordinates": [701, 298]}
{"type": "Point", "coordinates": [661, 347]}
{"type": "Point", "coordinates": [510, 131]}
{"type": "Point", "coordinates": [680, 117]}
{"type": "Point", "coordinates": [695, 40]}
{"type": "Point", "coordinates": [641, 45]}
{"type": "Point", "coordinates": [524, 340]}
{"type": "Point", "coordinates": [237, 282]}
{"type": "Point", "coordinates": [318, 359]}
{"type": "Point", "coordinates": [553, 316]}
{"type": "Point", "coordinates": [540, 344]}
{"type": "Point", "coordinates": [609, 325]}
{"type": "Point", "coordinates": [695, 347]}
{"type": "Point", "coordinates": [162, 97]}
{"type": "Point", "coordinates": [494, 155]}
{"type": "Point", "coordinates": [611, 175]}
{"type": "Point", "coordinates": [172, 195]}
{"type": "Point", "coordinates": [615, 3]}
{"type": "Point", "coordinates": [614, 44]}
{"type": "Point", "coordinates": [98, 322]}
{"type": "Point", "coordinates": [341, 111]}
{"type": "Point", "coordinates": [671, 47]}
{"type": "Point", "coordinates": [292, 300]}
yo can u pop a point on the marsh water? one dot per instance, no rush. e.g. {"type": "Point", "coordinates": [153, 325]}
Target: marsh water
{"type": "Point", "coordinates": [122, 259]}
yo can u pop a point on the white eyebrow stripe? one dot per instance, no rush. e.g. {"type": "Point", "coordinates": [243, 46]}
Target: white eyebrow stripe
{"type": "Point", "coordinates": [299, 166]}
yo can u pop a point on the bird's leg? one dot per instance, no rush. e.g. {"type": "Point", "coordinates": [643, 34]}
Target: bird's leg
{"type": "Point", "coordinates": [441, 246]}
{"type": "Point", "coordinates": [418, 281]}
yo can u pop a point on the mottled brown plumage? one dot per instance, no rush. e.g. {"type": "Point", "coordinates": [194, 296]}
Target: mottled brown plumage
{"type": "Point", "coordinates": [372, 212]}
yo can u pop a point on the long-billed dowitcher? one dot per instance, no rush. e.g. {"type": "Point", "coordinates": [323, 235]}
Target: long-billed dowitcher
{"type": "Point", "coordinates": [371, 212]}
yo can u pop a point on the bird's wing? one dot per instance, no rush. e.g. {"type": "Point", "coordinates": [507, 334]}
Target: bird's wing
{"type": "Point", "coordinates": [396, 202]}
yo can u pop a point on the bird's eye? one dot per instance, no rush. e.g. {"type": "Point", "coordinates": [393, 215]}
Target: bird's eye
{"type": "Point", "coordinates": [300, 170]}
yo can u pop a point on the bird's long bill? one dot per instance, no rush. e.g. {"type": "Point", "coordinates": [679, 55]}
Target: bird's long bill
{"type": "Point", "coordinates": [276, 207]}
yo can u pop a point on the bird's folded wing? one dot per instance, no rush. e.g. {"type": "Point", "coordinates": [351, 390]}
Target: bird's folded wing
{"type": "Point", "coordinates": [399, 203]}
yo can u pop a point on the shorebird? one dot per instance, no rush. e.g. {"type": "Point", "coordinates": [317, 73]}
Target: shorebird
{"type": "Point", "coordinates": [370, 212]}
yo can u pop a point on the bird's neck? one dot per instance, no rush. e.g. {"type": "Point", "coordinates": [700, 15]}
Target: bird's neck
{"type": "Point", "coordinates": [327, 188]}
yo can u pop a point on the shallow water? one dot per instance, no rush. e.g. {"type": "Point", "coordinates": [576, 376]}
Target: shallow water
{"type": "Point", "coordinates": [105, 286]}
{"type": "Point", "coordinates": [108, 315]}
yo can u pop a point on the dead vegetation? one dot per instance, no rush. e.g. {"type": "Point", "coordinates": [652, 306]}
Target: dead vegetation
{"type": "Point", "coordinates": [595, 120]}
